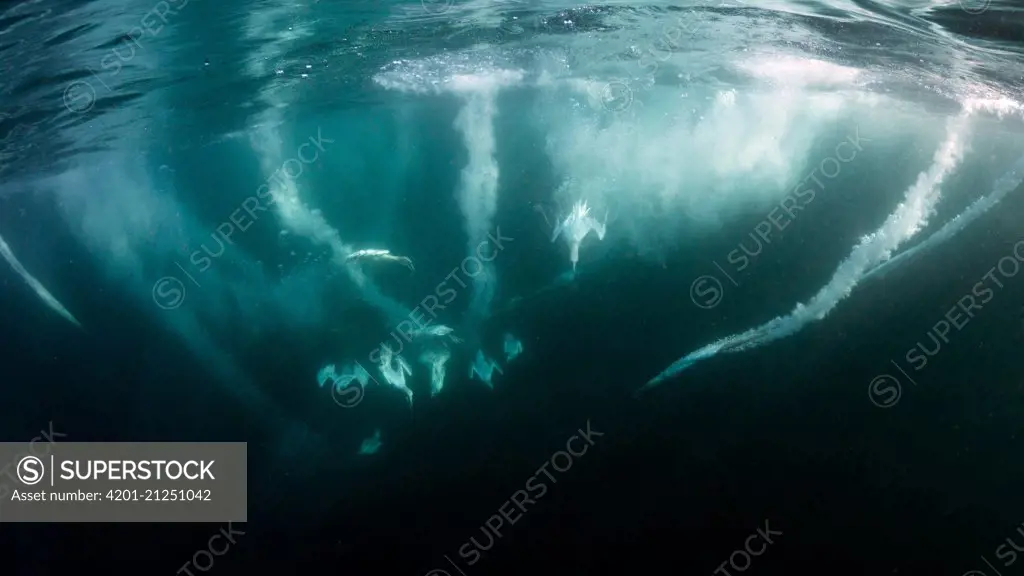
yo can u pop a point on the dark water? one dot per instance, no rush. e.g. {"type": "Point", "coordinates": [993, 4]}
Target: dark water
{"type": "Point", "coordinates": [846, 454]}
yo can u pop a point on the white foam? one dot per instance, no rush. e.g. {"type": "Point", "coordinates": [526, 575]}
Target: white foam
{"type": "Point", "coordinates": [310, 223]}
{"type": "Point", "coordinates": [36, 285]}
{"type": "Point", "coordinates": [701, 157]}
{"type": "Point", "coordinates": [458, 73]}
{"type": "Point", "coordinates": [796, 71]}
{"type": "Point", "coordinates": [478, 188]}
{"type": "Point", "coordinates": [1000, 107]}
{"type": "Point", "coordinates": [1003, 186]}
{"type": "Point", "coordinates": [265, 138]}
{"type": "Point", "coordinates": [910, 216]}
{"type": "Point", "coordinates": [477, 84]}
{"type": "Point", "coordinates": [487, 82]}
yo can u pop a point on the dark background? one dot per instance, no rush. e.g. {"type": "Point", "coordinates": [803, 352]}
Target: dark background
{"type": "Point", "coordinates": [785, 434]}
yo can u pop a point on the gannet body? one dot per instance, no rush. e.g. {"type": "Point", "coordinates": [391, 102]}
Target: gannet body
{"type": "Point", "coordinates": [439, 331]}
{"type": "Point", "coordinates": [513, 347]}
{"type": "Point", "coordinates": [484, 368]}
{"type": "Point", "coordinates": [576, 226]}
{"type": "Point", "coordinates": [437, 360]}
{"type": "Point", "coordinates": [353, 371]}
{"type": "Point", "coordinates": [394, 368]}
{"type": "Point", "coordinates": [370, 445]}
{"type": "Point", "coordinates": [380, 256]}
{"type": "Point", "coordinates": [342, 384]}
{"type": "Point", "coordinates": [327, 373]}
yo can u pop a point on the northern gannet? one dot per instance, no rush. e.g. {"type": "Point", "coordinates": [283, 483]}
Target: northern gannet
{"type": "Point", "coordinates": [576, 226]}
{"type": "Point", "coordinates": [344, 393]}
{"type": "Point", "coordinates": [354, 371]}
{"type": "Point", "coordinates": [438, 331]}
{"type": "Point", "coordinates": [437, 359]}
{"type": "Point", "coordinates": [380, 256]}
{"type": "Point", "coordinates": [484, 368]}
{"type": "Point", "coordinates": [394, 368]}
{"type": "Point", "coordinates": [371, 444]}
{"type": "Point", "coordinates": [513, 347]}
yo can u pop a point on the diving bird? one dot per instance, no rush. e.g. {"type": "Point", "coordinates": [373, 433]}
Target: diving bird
{"type": "Point", "coordinates": [576, 226]}
{"type": "Point", "coordinates": [371, 444]}
{"type": "Point", "coordinates": [436, 359]}
{"type": "Point", "coordinates": [513, 347]}
{"type": "Point", "coordinates": [351, 371]}
{"type": "Point", "coordinates": [380, 256]}
{"type": "Point", "coordinates": [438, 331]}
{"type": "Point", "coordinates": [484, 368]}
{"type": "Point", "coordinates": [394, 368]}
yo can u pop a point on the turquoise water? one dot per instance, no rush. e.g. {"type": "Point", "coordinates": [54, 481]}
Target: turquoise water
{"type": "Point", "coordinates": [781, 198]}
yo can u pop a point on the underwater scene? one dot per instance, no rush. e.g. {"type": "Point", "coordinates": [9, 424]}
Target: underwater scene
{"type": "Point", "coordinates": [524, 286]}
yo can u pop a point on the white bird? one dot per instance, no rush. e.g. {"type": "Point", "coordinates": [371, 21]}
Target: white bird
{"type": "Point", "coordinates": [351, 371]}
{"type": "Point", "coordinates": [371, 444]}
{"type": "Point", "coordinates": [394, 368]}
{"type": "Point", "coordinates": [484, 368]}
{"type": "Point", "coordinates": [513, 347]}
{"type": "Point", "coordinates": [576, 226]}
{"type": "Point", "coordinates": [380, 256]}
{"type": "Point", "coordinates": [438, 331]}
{"type": "Point", "coordinates": [437, 359]}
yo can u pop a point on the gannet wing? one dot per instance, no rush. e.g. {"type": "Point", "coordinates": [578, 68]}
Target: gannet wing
{"type": "Point", "coordinates": [394, 377]}
{"type": "Point", "coordinates": [326, 373]}
{"type": "Point", "coordinates": [558, 229]}
{"type": "Point", "coordinates": [361, 374]}
{"type": "Point", "coordinates": [598, 227]}
{"type": "Point", "coordinates": [478, 363]}
{"type": "Point", "coordinates": [344, 381]}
